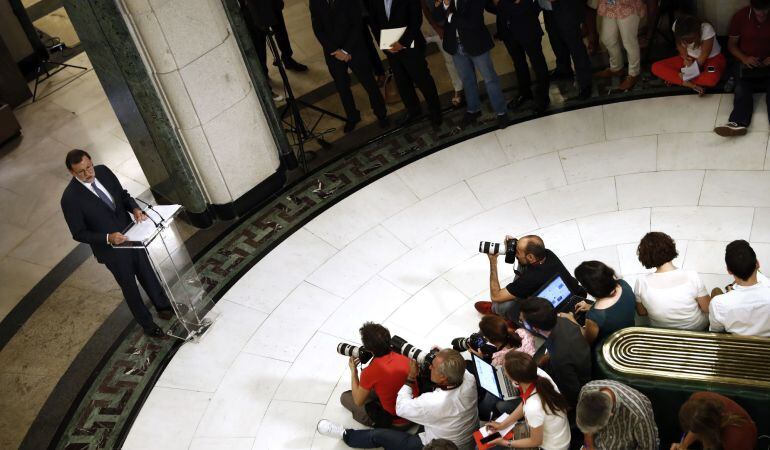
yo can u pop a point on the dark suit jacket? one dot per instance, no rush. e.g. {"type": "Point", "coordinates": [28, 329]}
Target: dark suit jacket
{"type": "Point", "coordinates": [467, 21]}
{"type": "Point", "coordinates": [403, 13]}
{"type": "Point", "coordinates": [519, 19]}
{"type": "Point", "coordinates": [263, 12]}
{"type": "Point", "coordinates": [90, 219]}
{"type": "Point", "coordinates": [337, 25]}
{"type": "Point", "coordinates": [569, 362]}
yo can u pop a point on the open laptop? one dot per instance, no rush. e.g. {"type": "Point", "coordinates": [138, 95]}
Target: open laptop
{"type": "Point", "coordinates": [556, 291]}
{"type": "Point", "coordinates": [493, 380]}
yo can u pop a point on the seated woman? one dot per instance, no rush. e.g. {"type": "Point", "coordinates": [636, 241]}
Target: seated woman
{"type": "Point", "coordinates": [716, 422]}
{"type": "Point", "coordinates": [697, 44]}
{"type": "Point", "coordinates": [615, 301]}
{"type": "Point", "coordinates": [542, 407]}
{"type": "Point", "coordinates": [671, 297]}
{"type": "Point", "coordinates": [495, 330]}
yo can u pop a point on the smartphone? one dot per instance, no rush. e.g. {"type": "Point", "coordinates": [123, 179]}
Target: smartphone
{"type": "Point", "coordinates": [711, 69]}
{"type": "Point", "coordinates": [490, 438]}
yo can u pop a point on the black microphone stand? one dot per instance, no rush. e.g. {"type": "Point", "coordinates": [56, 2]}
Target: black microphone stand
{"type": "Point", "coordinates": [149, 206]}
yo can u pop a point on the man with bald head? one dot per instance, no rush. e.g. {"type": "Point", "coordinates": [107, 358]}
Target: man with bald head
{"type": "Point", "coordinates": [537, 265]}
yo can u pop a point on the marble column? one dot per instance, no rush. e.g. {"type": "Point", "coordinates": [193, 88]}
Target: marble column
{"type": "Point", "coordinates": [719, 12]}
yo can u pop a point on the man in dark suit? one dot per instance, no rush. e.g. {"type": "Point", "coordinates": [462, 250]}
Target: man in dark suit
{"type": "Point", "coordinates": [562, 22]}
{"type": "Point", "coordinates": [261, 15]}
{"type": "Point", "coordinates": [408, 64]}
{"type": "Point", "coordinates": [467, 39]}
{"type": "Point", "coordinates": [338, 25]}
{"type": "Point", "coordinates": [97, 209]}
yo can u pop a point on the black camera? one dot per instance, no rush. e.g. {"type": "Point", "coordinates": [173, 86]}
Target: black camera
{"type": "Point", "coordinates": [361, 353]}
{"type": "Point", "coordinates": [494, 248]}
{"type": "Point", "coordinates": [423, 358]}
{"type": "Point", "coordinates": [477, 342]}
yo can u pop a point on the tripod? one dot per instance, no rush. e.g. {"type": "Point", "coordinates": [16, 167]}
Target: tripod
{"type": "Point", "coordinates": [294, 123]}
{"type": "Point", "coordinates": [43, 67]}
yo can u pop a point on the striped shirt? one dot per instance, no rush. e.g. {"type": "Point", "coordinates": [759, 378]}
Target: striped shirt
{"type": "Point", "coordinates": [632, 424]}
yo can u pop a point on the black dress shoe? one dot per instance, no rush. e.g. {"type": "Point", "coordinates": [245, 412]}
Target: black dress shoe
{"type": "Point", "coordinates": [558, 74]}
{"type": "Point", "coordinates": [542, 105]}
{"type": "Point", "coordinates": [166, 314]}
{"type": "Point", "coordinates": [290, 64]}
{"type": "Point", "coordinates": [502, 121]}
{"type": "Point", "coordinates": [350, 125]}
{"type": "Point", "coordinates": [469, 118]}
{"type": "Point", "coordinates": [516, 103]}
{"type": "Point", "coordinates": [383, 122]}
{"type": "Point", "coordinates": [155, 331]}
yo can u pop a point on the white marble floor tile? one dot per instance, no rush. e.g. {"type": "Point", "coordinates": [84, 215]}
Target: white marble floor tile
{"type": "Point", "coordinates": [706, 257]}
{"type": "Point", "coordinates": [762, 249]}
{"type": "Point", "coordinates": [736, 188]}
{"type": "Point", "coordinates": [707, 150]}
{"type": "Point", "coordinates": [354, 265]}
{"type": "Point", "coordinates": [760, 227]}
{"type": "Point", "coordinates": [512, 219]}
{"type": "Point", "coordinates": [563, 238]}
{"type": "Point", "coordinates": [617, 227]}
{"type": "Point", "coordinates": [518, 179]}
{"type": "Point", "coordinates": [603, 159]}
{"type": "Point", "coordinates": [288, 425]}
{"type": "Point", "coordinates": [550, 133]}
{"type": "Point", "coordinates": [375, 301]}
{"type": "Point", "coordinates": [179, 412]}
{"type": "Point", "coordinates": [573, 201]}
{"type": "Point", "coordinates": [81, 95]}
{"type": "Point", "coordinates": [236, 409]}
{"type": "Point", "coordinates": [472, 275]}
{"type": "Point", "coordinates": [48, 244]}
{"type": "Point", "coordinates": [461, 323]}
{"type": "Point", "coordinates": [11, 236]}
{"type": "Point", "coordinates": [312, 377]}
{"type": "Point", "coordinates": [306, 308]}
{"type": "Point", "coordinates": [425, 263]}
{"type": "Point", "coordinates": [434, 214]}
{"type": "Point", "coordinates": [676, 188]}
{"type": "Point", "coordinates": [660, 115]}
{"type": "Point", "coordinates": [758, 118]}
{"type": "Point", "coordinates": [457, 163]}
{"type": "Point", "coordinates": [703, 223]}
{"type": "Point", "coordinates": [629, 261]}
{"type": "Point", "coordinates": [221, 443]}
{"type": "Point", "coordinates": [335, 412]}
{"type": "Point", "coordinates": [356, 214]}
{"type": "Point", "coordinates": [40, 118]}
{"type": "Point", "coordinates": [200, 366]}
{"type": "Point", "coordinates": [85, 127]}
{"type": "Point", "coordinates": [268, 282]}
{"type": "Point", "coordinates": [19, 277]}
{"type": "Point", "coordinates": [712, 280]}
{"type": "Point", "coordinates": [607, 255]}
{"type": "Point", "coordinates": [428, 308]}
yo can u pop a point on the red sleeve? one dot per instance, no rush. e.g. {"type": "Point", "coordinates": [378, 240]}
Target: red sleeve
{"type": "Point", "coordinates": [737, 23]}
{"type": "Point", "coordinates": [368, 378]}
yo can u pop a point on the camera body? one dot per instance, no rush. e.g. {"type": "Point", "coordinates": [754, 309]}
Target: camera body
{"type": "Point", "coordinates": [361, 353]}
{"type": "Point", "coordinates": [477, 342]}
{"type": "Point", "coordinates": [495, 248]}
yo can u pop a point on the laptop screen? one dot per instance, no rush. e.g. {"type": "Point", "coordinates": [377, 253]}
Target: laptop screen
{"type": "Point", "coordinates": [486, 376]}
{"type": "Point", "coordinates": [556, 291]}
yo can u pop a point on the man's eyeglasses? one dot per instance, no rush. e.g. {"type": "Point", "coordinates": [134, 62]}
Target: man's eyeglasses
{"type": "Point", "coordinates": [84, 172]}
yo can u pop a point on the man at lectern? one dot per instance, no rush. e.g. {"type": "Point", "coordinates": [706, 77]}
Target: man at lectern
{"type": "Point", "coordinates": [97, 209]}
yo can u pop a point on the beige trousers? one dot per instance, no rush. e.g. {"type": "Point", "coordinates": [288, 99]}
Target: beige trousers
{"type": "Point", "coordinates": [615, 31]}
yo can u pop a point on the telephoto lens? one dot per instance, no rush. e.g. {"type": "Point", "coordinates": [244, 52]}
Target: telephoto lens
{"type": "Point", "coordinates": [423, 358]}
{"type": "Point", "coordinates": [460, 344]}
{"type": "Point", "coordinates": [361, 353]}
{"type": "Point", "coordinates": [490, 248]}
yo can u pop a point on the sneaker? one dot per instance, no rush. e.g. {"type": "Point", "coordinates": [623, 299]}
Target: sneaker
{"type": "Point", "coordinates": [331, 429]}
{"type": "Point", "coordinates": [730, 129]}
{"type": "Point", "coordinates": [483, 307]}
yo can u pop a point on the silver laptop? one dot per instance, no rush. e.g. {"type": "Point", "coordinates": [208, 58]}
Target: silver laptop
{"type": "Point", "coordinates": [493, 379]}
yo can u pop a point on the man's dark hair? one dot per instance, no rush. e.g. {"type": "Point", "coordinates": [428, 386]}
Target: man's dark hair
{"type": "Point", "coordinates": [440, 444]}
{"type": "Point", "coordinates": [539, 313]}
{"type": "Point", "coordinates": [741, 259]}
{"type": "Point", "coordinates": [656, 249]}
{"type": "Point", "coordinates": [597, 277]}
{"type": "Point", "coordinates": [534, 246]}
{"type": "Point", "coordinates": [74, 157]}
{"type": "Point", "coordinates": [761, 5]}
{"type": "Point", "coordinates": [375, 338]}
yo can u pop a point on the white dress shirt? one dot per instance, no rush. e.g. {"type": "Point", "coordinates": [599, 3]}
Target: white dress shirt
{"type": "Point", "coordinates": [448, 414]}
{"type": "Point", "coordinates": [745, 310]}
{"type": "Point", "coordinates": [100, 186]}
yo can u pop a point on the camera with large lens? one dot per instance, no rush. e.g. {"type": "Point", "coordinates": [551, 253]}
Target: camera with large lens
{"type": "Point", "coordinates": [495, 248]}
{"type": "Point", "coordinates": [423, 358]}
{"type": "Point", "coordinates": [361, 353]}
{"type": "Point", "coordinates": [477, 342]}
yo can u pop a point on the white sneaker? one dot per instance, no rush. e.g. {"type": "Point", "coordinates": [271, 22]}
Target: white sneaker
{"type": "Point", "coordinates": [331, 429]}
{"type": "Point", "coordinates": [730, 129]}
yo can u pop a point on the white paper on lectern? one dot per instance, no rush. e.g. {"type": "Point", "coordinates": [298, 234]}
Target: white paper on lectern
{"type": "Point", "coordinates": [389, 36]}
{"type": "Point", "coordinates": [145, 229]}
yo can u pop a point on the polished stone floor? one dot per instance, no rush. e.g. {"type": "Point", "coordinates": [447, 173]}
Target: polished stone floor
{"type": "Point", "coordinates": [402, 251]}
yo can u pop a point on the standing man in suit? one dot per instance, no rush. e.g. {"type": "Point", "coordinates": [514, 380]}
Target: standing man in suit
{"type": "Point", "coordinates": [261, 15]}
{"type": "Point", "coordinates": [408, 64]}
{"type": "Point", "coordinates": [97, 209]}
{"type": "Point", "coordinates": [562, 22]}
{"type": "Point", "coordinates": [467, 39]}
{"type": "Point", "coordinates": [338, 26]}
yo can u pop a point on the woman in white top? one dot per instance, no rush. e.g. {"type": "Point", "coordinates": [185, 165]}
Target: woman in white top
{"type": "Point", "coordinates": [542, 406]}
{"type": "Point", "coordinates": [671, 297]}
{"type": "Point", "coordinates": [700, 62]}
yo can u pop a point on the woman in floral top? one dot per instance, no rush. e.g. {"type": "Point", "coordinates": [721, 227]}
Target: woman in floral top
{"type": "Point", "coordinates": [620, 23]}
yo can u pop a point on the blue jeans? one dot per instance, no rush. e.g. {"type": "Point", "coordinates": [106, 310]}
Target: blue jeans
{"type": "Point", "coordinates": [466, 67]}
{"type": "Point", "coordinates": [381, 437]}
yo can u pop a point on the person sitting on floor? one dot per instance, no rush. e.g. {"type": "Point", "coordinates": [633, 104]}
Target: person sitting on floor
{"type": "Point", "coordinates": [745, 309]}
{"type": "Point", "coordinates": [670, 296]}
{"type": "Point", "coordinates": [697, 44]}
{"type": "Point", "coordinates": [716, 422]}
{"type": "Point", "coordinates": [749, 43]}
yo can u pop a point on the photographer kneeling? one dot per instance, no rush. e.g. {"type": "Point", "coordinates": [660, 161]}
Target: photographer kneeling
{"type": "Point", "coordinates": [372, 399]}
{"type": "Point", "coordinates": [449, 412]}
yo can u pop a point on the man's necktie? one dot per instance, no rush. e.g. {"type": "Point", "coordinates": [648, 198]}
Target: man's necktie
{"type": "Point", "coordinates": [103, 196]}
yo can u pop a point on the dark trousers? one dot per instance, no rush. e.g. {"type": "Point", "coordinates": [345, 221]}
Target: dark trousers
{"type": "Point", "coordinates": [371, 50]}
{"type": "Point", "coordinates": [380, 437]}
{"type": "Point", "coordinates": [359, 64]}
{"type": "Point", "coordinates": [519, 50]}
{"type": "Point", "coordinates": [743, 102]}
{"type": "Point", "coordinates": [563, 27]}
{"type": "Point", "coordinates": [260, 37]}
{"type": "Point", "coordinates": [133, 265]}
{"type": "Point", "coordinates": [410, 69]}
